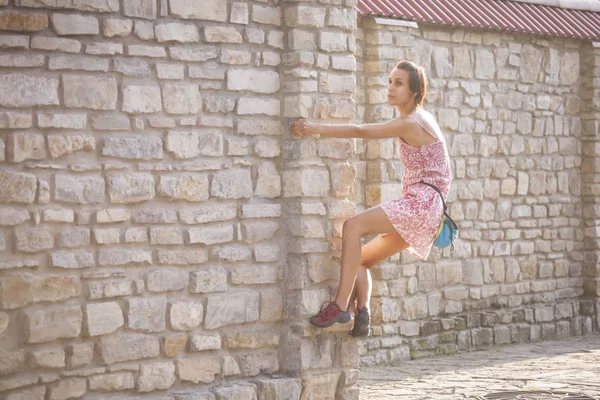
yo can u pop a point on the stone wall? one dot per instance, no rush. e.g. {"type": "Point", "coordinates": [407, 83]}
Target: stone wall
{"type": "Point", "coordinates": [163, 236]}
{"type": "Point", "coordinates": [518, 113]}
{"type": "Point", "coordinates": [161, 232]}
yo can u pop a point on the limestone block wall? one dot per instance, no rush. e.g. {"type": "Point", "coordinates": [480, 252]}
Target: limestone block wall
{"type": "Point", "coordinates": [161, 234]}
{"type": "Point", "coordinates": [519, 113]}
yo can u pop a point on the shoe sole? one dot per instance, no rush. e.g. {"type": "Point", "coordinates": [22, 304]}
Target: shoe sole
{"type": "Point", "coordinates": [341, 319]}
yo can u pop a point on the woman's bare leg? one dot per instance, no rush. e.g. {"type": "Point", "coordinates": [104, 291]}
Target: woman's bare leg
{"type": "Point", "coordinates": [370, 222]}
{"type": "Point", "coordinates": [372, 254]}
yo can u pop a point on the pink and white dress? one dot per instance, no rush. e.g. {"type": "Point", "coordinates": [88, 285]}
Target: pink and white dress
{"type": "Point", "coordinates": [417, 214]}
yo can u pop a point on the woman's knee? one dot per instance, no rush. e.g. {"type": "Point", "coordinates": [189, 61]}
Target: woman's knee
{"type": "Point", "coordinates": [352, 226]}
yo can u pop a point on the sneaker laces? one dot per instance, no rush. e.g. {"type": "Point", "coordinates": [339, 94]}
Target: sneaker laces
{"type": "Point", "coordinates": [328, 309]}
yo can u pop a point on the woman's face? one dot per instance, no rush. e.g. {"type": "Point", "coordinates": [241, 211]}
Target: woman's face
{"type": "Point", "coordinates": [398, 92]}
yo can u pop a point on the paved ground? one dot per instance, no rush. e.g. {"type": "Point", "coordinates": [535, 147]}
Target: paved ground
{"type": "Point", "coordinates": [568, 366]}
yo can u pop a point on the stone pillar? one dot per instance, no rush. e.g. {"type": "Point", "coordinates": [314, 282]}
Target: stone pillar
{"type": "Point", "coordinates": [590, 193]}
{"type": "Point", "coordinates": [318, 68]}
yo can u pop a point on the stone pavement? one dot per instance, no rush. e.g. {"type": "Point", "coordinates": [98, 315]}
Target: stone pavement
{"type": "Point", "coordinates": [569, 366]}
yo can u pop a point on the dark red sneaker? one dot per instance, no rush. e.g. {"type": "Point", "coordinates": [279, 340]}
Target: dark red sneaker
{"type": "Point", "coordinates": [330, 314]}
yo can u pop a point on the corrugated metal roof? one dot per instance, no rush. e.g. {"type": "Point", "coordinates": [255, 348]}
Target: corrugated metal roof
{"type": "Point", "coordinates": [491, 14]}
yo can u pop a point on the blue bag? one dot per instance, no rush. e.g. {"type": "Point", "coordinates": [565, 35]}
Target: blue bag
{"type": "Point", "coordinates": [448, 231]}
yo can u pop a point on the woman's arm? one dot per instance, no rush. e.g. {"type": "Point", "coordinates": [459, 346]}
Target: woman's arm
{"type": "Point", "coordinates": [394, 128]}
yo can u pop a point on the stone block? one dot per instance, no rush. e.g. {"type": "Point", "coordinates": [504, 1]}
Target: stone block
{"type": "Point", "coordinates": [103, 318]}
{"type": "Point", "coordinates": [51, 324]}
{"type": "Point", "coordinates": [230, 309]}
{"type": "Point", "coordinates": [112, 27]}
{"type": "Point", "coordinates": [257, 362]}
{"type": "Point", "coordinates": [268, 181]}
{"type": "Point", "coordinates": [23, 146]}
{"type": "Point", "coordinates": [74, 24]}
{"type": "Point", "coordinates": [35, 393]}
{"type": "Point", "coordinates": [60, 145]}
{"type": "Point", "coordinates": [222, 34]}
{"type": "Point", "coordinates": [205, 342]}
{"type": "Point", "coordinates": [146, 9]}
{"type": "Point", "coordinates": [210, 10]}
{"type": "Point", "coordinates": [48, 358]}
{"type": "Point", "coordinates": [198, 370]}
{"type": "Point", "coordinates": [167, 280]}
{"type": "Point", "coordinates": [182, 257]}
{"type": "Point", "coordinates": [244, 391]}
{"type": "Point", "coordinates": [185, 315]}
{"type": "Point", "coordinates": [20, 290]}
{"type": "Point", "coordinates": [271, 305]}
{"type": "Point", "coordinates": [211, 234]}
{"type": "Point", "coordinates": [282, 388]}
{"type": "Point", "coordinates": [20, 90]}
{"type": "Point", "coordinates": [116, 349]}
{"type": "Point", "coordinates": [80, 354]}
{"type": "Point", "coordinates": [124, 257]}
{"type": "Point", "coordinates": [232, 253]}
{"type": "Point", "coordinates": [96, 93]}
{"type": "Point", "coordinates": [253, 80]}
{"type": "Point", "coordinates": [72, 259]}
{"type": "Point", "coordinates": [16, 187]}
{"type": "Point", "coordinates": [173, 345]}
{"type": "Point", "coordinates": [147, 314]}
{"type": "Point", "coordinates": [15, 21]}
{"type": "Point", "coordinates": [209, 280]}
{"type": "Point", "coordinates": [34, 240]}
{"type": "Point", "coordinates": [11, 361]}
{"type": "Point", "coordinates": [133, 147]}
{"type": "Point", "coordinates": [156, 376]}
{"type": "Point", "coordinates": [117, 381]}
{"type": "Point", "coordinates": [131, 188]}
{"type": "Point", "coordinates": [252, 339]}
{"type": "Point", "coordinates": [141, 99]}
{"type": "Point", "coordinates": [232, 184]}
{"type": "Point", "coordinates": [68, 389]}
{"type": "Point", "coordinates": [193, 188]}
{"type": "Point", "coordinates": [305, 183]}
{"type": "Point", "coordinates": [181, 99]}
{"type": "Point", "coordinates": [55, 44]}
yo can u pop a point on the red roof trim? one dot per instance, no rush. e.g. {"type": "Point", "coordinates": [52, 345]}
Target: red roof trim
{"type": "Point", "coordinates": [491, 14]}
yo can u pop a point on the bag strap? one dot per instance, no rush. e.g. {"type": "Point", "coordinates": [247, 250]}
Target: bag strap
{"type": "Point", "coordinates": [440, 193]}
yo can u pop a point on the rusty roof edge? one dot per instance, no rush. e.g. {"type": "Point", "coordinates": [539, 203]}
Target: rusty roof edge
{"type": "Point", "coordinates": [584, 5]}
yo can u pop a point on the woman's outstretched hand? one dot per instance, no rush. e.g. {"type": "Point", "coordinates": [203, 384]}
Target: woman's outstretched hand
{"type": "Point", "coordinates": [302, 128]}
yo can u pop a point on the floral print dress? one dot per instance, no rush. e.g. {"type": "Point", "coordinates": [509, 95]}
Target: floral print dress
{"type": "Point", "coordinates": [417, 214]}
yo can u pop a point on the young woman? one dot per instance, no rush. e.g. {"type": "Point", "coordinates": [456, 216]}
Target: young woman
{"type": "Point", "coordinates": [408, 223]}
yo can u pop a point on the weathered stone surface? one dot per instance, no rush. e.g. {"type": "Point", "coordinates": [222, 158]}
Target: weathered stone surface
{"type": "Point", "coordinates": [244, 391]}
{"type": "Point", "coordinates": [140, 8]}
{"type": "Point", "coordinates": [80, 354]}
{"type": "Point", "coordinates": [167, 280]}
{"type": "Point", "coordinates": [141, 99]}
{"type": "Point", "coordinates": [69, 388]}
{"type": "Point", "coordinates": [81, 5]}
{"type": "Point", "coordinates": [531, 63]}
{"type": "Point", "coordinates": [256, 231]}
{"type": "Point", "coordinates": [36, 393]}
{"type": "Point", "coordinates": [253, 80]}
{"type": "Point", "coordinates": [74, 259]}
{"type": "Point", "coordinates": [18, 120]}
{"type": "Point", "coordinates": [49, 358]}
{"type": "Point", "coordinates": [103, 318]}
{"type": "Point", "coordinates": [116, 27]}
{"type": "Point", "coordinates": [190, 144]}
{"type": "Point", "coordinates": [124, 256]}
{"type": "Point", "coordinates": [211, 10]}
{"type": "Point", "coordinates": [15, 21]}
{"type": "Point", "coordinates": [178, 32]}
{"type": "Point", "coordinates": [205, 342]}
{"type": "Point", "coordinates": [226, 309]}
{"type": "Point", "coordinates": [24, 146]}
{"type": "Point", "coordinates": [268, 182]}
{"type": "Point", "coordinates": [20, 290]}
{"type": "Point", "coordinates": [316, 385]}
{"type": "Point", "coordinates": [51, 324]}
{"type": "Point", "coordinates": [115, 349]}
{"type": "Point", "coordinates": [305, 182]}
{"type": "Point", "coordinates": [133, 147]}
{"type": "Point", "coordinates": [211, 235]}
{"type": "Point", "coordinates": [79, 189]}
{"type": "Point", "coordinates": [156, 376]}
{"type": "Point", "coordinates": [254, 363]}
{"type": "Point", "coordinates": [112, 382]}
{"type": "Point", "coordinates": [73, 24]}
{"type": "Point", "coordinates": [181, 99]}
{"type": "Point", "coordinates": [11, 361]}
{"type": "Point", "coordinates": [232, 184]}
{"type": "Point", "coordinates": [186, 187]}
{"type": "Point", "coordinates": [283, 388]}
{"type": "Point", "coordinates": [20, 90]}
{"type": "Point", "coordinates": [182, 257]}
{"type": "Point", "coordinates": [96, 93]}
{"type": "Point", "coordinates": [209, 280]}
{"type": "Point", "coordinates": [131, 188]}
{"type": "Point", "coordinates": [4, 320]}
{"type": "Point", "coordinates": [147, 314]}
{"type": "Point", "coordinates": [16, 187]}
{"type": "Point", "coordinates": [198, 370]}
{"type": "Point", "coordinates": [185, 315]}
{"type": "Point", "coordinates": [173, 345]}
